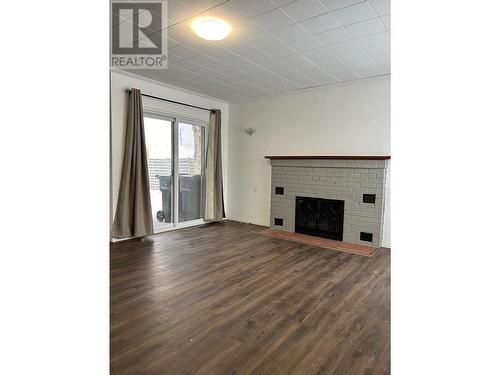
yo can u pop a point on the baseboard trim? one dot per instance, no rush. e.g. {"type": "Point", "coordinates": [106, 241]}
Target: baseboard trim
{"type": "Point", "coordinates": [248, 220]}
{"type": "Point", "coordinates": [386, 244]}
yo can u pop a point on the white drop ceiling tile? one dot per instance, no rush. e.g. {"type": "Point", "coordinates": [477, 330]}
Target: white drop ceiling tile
{"type": "Point", "coordinates": [266, 86]}
{"type": "Point", "coordinates": [240, 85]}
{"type": "Point", "coordinates": [178, 11]}
{"type": "Point", "coordinates": [386, 20]}
{"type": "Point", "coordinates": [259, 57]}
{"type": "Point", "coordinates": [193, 75]}
{"type": "Point", "coordinates": [264, 41]}
{"type": "Point", "coordinates": [179, 33]}
{"type": "Point", "coordinates": [382, 56]}
{"type": "Point", "coordinates": [285, 84]}
{"type": "Point", "coordinates": [250, 68]}
{"type": "Point", "coordinates": [288, 85]}
{"type": "Point", "coordinates": [304, 67]}
{"type": "Point", "coordinates": [321, 76]}
{"type": "Point", "coordinates": [337, 4]}
{"type": "Point", "coordinates": [204, 71]}
{"type": "Point", "coordinates": [305, 44]}
{"type": "Point", "coordinates": [220, 67]}
{"type": "Point", "coordinates": [367, 27]}
{"type": "Point", "coordinates": [227, 13]}
{"type": "Point", "coordinates": [317, 54]}
{"type": "Point", "coordinates": [285, 72]}
{"type": "Point", "coordinates": [320, 24]}
{"type": "Point", "coordinates": [290, 33]}
{"type": "Point", "coordinates": [369, 71]}
{"type": "Point", "coordinates": [235, 74]}
{"type": "Point", "coordinates": [253, 7]}
{"type": "Point", "coordinates": [254, 91]}
{"type": "Point", "coordinates": [273, 65]}
{"type": "Point", "coordinates": [331, 63]}
{"type": "Point", "coordinates": [343, 74]}
{"type": "Point", "coordinates": [272, 20]}
{"type": "Point", "coordinates": [355, 13]}
{"type": "Point", "coordinates": [374, 40]}
{"type": "Point", "coordinates": [302, 80]}
{"type": "Point", "coordinates": [215, 75]}
{"type": "Point", "coordinates": [232, 60]}
{"type": "Point", "coordinates": [183, 51]}
{"type": "Point", "coordinates": [333, 36]}
{"type": "Point", "coordinates": [172, 43]}
{"type": "Point", "coordinates": [245, 30]}
{"type": "Point", "coordinates": [242, 48]}
{"type": "Point", "coordinates": [282, 2]}
{"type": "Point", "coordinates": [204, 80]}
{"type": "Point", "coordinates": [381, 6]}
{"type": "Point", "coordinates": [219, 53]}
{"type": "Point", "coordinates": [201, 47]}
{"type": "Point", "coordinates": [267, 77]}
{"type": "Point", "coordinates": [203, 60]}
{"type": "Point", "coordinates": [293, 60]}
{"type": "Point", "coordinates": [187, 65]}
{"type": "Point", "coordinates": [361, 63]}
{"type": "Point", "coordinates": [172, 58]}
{"type": "Point", "coordinates": [173, 69]}
{"type": "Point", "coordinates": [248, 79]}
{"type": "Point", "coordinates": [343, 47]}
{"type": "Point", "coordinates": [354, 58]}
{"type": "Point", "coordinates": [280, 51]}
{"type": "Point", "coordinates": [303, 9]}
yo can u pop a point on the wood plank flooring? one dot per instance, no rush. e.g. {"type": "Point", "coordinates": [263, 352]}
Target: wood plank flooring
{"type": "Point", "coordinates": [221, 299]}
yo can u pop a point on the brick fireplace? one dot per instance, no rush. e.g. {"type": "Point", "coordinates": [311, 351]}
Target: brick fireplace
{"type": "Point", "coordinates": [339, 197]}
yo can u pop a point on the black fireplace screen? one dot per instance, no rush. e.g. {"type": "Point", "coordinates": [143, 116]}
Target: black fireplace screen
{"type": "Point", "coordinates": [319, 217]}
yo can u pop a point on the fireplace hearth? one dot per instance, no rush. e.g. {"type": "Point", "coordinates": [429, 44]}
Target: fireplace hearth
{"type": "Point", "coordinates": [319, 217]}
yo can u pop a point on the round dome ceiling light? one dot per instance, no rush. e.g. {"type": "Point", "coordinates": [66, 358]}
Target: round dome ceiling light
{"type": "Point", "coordinates": [211, 28]}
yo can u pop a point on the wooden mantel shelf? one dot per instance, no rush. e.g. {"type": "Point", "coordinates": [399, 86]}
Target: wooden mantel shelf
{"type": "Point", "coordinates": [316, 157]}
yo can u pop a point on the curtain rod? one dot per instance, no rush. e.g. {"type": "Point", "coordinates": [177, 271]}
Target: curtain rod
{"type": "Point", "coordinates": [172, 101]}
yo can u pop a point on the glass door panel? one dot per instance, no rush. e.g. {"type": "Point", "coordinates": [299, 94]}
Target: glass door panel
{"type": "Point", "coordinates": [190, 156]}
{"type": "Point", "coordinates": [158, 133]}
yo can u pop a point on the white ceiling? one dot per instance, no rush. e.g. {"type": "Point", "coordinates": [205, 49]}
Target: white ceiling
{"type": "Point", "coordinates": [276, 46]}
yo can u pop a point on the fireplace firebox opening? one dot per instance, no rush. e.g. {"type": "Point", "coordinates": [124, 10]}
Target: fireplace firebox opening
{"type": "Point", "coordinates": [320, 217]}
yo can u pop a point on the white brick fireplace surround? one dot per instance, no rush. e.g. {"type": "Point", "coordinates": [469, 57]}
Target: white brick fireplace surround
{"type": "Point", "coordinates": [347, 178]}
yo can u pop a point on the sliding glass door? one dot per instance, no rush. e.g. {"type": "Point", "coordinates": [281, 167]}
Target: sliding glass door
{"type": "Point", "coordinates": [190, 171]}
{"type": "Point", "coordinates": [176, 149]}
{"type": "Point", "coordinates": [159, 145]}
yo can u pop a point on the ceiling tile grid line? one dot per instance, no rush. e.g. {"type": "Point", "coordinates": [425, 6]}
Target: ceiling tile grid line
{"type": "Point", "coordinates": [315, 43]}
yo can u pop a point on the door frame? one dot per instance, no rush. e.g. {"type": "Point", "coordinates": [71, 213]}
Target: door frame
{"type": "Point", "coordinates": [174, 197]}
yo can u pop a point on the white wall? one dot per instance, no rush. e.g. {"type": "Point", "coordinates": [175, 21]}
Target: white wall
{"type": "Point", "coordinates": [119, 82]}
{"type": "Point", "coordinates": [350, 119]}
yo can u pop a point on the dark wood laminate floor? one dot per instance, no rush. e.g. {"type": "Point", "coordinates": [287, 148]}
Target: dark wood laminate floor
{"type": "Point", "coordinates": [221, 299]}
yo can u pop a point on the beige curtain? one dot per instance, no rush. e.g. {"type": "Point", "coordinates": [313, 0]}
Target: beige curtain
{"type": "Point", "coordinates": [214, 201]}
{"type": "Point", "coordinates": [133, 216]}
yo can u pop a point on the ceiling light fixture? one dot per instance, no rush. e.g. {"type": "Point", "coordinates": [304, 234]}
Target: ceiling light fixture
{"type": "Point", "coordinates": [211, 28]}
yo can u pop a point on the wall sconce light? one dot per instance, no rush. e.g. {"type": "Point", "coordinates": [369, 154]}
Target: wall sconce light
{"type": "Point", "coordinates": [249, 130]}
